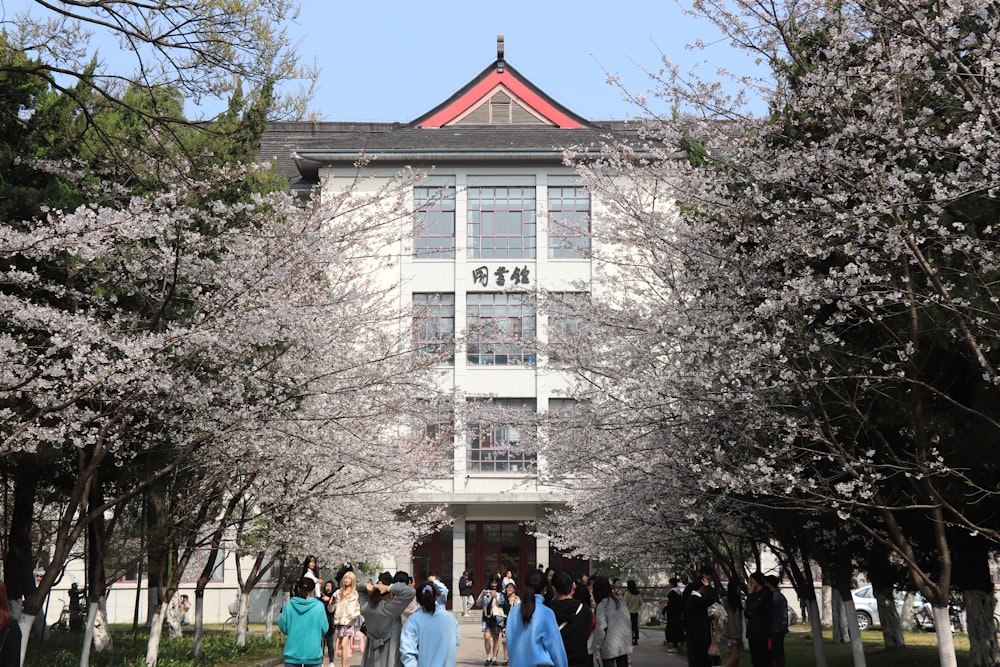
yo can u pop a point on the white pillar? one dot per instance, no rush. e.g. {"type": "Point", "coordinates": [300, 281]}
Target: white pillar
{"type": "Point", "coordinates": [542, 551]}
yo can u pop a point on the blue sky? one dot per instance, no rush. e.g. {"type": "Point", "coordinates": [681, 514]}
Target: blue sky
{"type": "Point", "coordinates": [392, 60]}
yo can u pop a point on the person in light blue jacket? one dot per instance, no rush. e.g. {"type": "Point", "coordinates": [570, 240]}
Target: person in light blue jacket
{"type": "Point", "coordinates": [533, 637]}
{"type": "Point", "coordinates": [303, 621]}
{"type": "Point", "coordinates": [430, 635]}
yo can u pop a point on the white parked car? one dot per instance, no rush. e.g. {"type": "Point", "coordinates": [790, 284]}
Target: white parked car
{"type": "Point", "coordinates": [867, 608]}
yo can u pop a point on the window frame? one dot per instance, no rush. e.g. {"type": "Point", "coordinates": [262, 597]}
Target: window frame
{"type": "Point", "coordinates": [432, 212]}
{"type": "Point", "coordinates": [497, 227]}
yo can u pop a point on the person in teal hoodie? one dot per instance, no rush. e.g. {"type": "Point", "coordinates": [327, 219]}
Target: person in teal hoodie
{"type": "Point", "coordinates": [533, 637]}
{"type": "Point", "coordinates": [430, 635]}
{"type": "Point", "coordinates": [303, 621]}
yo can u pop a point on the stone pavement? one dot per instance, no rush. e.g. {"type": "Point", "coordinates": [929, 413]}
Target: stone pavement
{"type": "Point", "coordinates": [650, 651]}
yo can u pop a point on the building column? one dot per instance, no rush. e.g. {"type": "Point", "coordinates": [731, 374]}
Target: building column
{"type": "Point", "coordinates": [457, 560]}
{"type": "Point", "coordinates": [542, 551]}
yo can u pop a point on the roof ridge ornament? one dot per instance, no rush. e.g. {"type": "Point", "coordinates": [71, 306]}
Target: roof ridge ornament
{"type": "Point", "coordinates": [500, 53]}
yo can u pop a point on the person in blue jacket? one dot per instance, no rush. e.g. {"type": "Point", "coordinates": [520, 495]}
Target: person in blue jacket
{"type": "Point", "coordinates": [533, 638]}
{"type": "Point", "coordinates": [303, 621]}
{"type": "Point", "coordinates": [430, 635]}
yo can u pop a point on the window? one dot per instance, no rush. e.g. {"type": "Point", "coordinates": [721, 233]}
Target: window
{"type": "Point", "coordinates": [565, 323]}
{"type": "Point", "coordinates": [434, 222]}
{"type": "Point", "coordinates": [501, 223]}
{"type": "Point", "coordinates": [496, 442]}
{"type": "Point", "coordinates": [569, 222]}
{"type": "Point", "coordinates": [434, 325]}
{"type": "Point", "coordinates": [500, 329]}
{"type": "Point", "coordinates": [437, 425]}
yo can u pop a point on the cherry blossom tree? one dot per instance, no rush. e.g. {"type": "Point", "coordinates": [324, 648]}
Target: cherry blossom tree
{"type": "Point", "coordinates": [802, 307]}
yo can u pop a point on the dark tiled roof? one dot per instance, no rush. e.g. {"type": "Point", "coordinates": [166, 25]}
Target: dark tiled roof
{"type": "Point", "coordinates": [297, 148]}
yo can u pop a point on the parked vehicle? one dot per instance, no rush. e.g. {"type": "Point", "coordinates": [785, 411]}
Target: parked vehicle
{"type": "Point", "coordinates": [866, 608]}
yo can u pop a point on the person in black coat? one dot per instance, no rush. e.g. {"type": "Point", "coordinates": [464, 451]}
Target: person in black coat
{"type": "Point", "coordinates": [575, 619]}
{"type": "Point", "coordinates": [10, 633]}
{"type": "Point", "coordinates": [674, 630]}
{"type": "Point", "coordinates": [759, 616]}
{"type": "Point", "coordinates": [696, 622]}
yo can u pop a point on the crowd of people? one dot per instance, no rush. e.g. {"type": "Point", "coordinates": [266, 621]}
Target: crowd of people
{"type": "Point", "coordinates": [701, 622]}
{"type": "Point", "coordinates": [555, 620]}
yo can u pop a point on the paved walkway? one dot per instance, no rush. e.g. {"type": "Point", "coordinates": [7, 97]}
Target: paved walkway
{"type": "Point", "coordinates": [650, 651]}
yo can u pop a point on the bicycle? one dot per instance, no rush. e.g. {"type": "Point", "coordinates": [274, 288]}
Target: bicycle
{"type": "Point", "coordinates": [62, 623]}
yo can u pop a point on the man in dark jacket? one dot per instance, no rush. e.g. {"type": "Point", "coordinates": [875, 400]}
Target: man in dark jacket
{"type": "Point", "coordinates": [779, 620]}
{"type": "Point", "coordinates": [575, 620]}
{"type": "Point", "coordinates": [760, 605]}
{"type": "Point", "coordinates": [696, 622]}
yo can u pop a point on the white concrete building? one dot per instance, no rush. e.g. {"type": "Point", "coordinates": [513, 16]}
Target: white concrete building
{"type": "Point", "coordinates": [497, 217]}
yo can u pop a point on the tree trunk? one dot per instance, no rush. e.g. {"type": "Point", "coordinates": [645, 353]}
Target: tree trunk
{"type": "Point", "coordinates": [983, 648]}
{"type": "Point", "coordinates": [19, 561]}
{"type": "Point", "coordinates": [174, 619]}
{"type": "Point", "coordinates": [945, 641]}
{"type": "Point", "coordinates": [102, 634]}
{"type": "Point", "coordinates": [243, 620]}
{"type": "Point", "coordinates": [88, 634]}
{"type": "Point", "coordinates": [839, 617]}
{"type": "Point", "coordinates": [155, 633]}
{"type": "Point", "coordinates": [853, 631]}
{"type": "Point", "coordinates": [892, 629]}
{"type": "Point", "coordinates": [25, 622]}
{"type": "Point", "coordinates": [199, 623]}
{"type": "Point", "coordinates": [816, 626]}
{"type": "Point", "coordinates": [906, 620]}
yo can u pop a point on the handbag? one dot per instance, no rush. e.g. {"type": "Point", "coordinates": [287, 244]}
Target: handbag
{"type": "Point", "coordinates": [714, 655]}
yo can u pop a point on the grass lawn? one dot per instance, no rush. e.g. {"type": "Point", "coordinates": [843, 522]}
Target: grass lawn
{"type": "Point", "coordinates": [219, 649]}
{"type": "Point", "coordinates": [920, 651]}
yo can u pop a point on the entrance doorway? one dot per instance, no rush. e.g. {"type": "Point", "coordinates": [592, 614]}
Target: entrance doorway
{"type": "Point", "coordinates": [493, 547]}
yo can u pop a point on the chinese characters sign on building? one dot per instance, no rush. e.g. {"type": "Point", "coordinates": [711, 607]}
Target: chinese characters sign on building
{"type": "Point", "coordinates": [518, 276]}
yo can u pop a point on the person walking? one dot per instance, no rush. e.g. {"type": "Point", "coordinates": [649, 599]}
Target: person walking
{"type": "Point", "coordinates": [345, 616]}
{"type": "Point", "coordinates": [431, 636]}
{"type": "Point", "coordinates": [674, 630]}
{"type": "Point", "coordinates": [382, 610]}
{"type": "Point", "coordinates": [760, 604]}
{"type": "Point", "coordinates": [491, 602]}
{"type": "Point", "coordinates": [326, 598]}
{"type": "Point", "coordinates": [697, 625]}
{"type": "Point", "coordinates": [613, 632]}
{"type": "Point", "coordinates": [465, 590]}
{"type": "Point", "coordinates": [533, 638]}
{"type": "Point", "coordinates": [303, 622]}
{"type": "Point", "coordinates": [510, 599]}
{"type": "Point", "coordinates": [779, 620]}
{"type": "Point", "coordinates": [633, 601]}
{"type": "Point", "coordinates": [575, 619]}
{"type": "Point", "coordinates": [732, 632]}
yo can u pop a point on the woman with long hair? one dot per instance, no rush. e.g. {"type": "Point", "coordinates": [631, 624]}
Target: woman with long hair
{"type": "Point", "coordinates": [327, 597]}
{"type": "Point", "coordinates": [10, 633]}
{"type": "Point", "coordinates": [491, 602]}
{"type": "Point", "coordinates": [345, 616]}
{"type": "Point", "coordinates": [310, 570]}
{"type": "Point", "coordinates": [634, 602]}
{"type": "Point", "coordinates": [613, 632]}
{"type": "Point", "coordinates": [430, 636]}
{"type": "Point", "coordinates": [732, 633]}
{"type": "Point", "coordinates": [510, 599]}
{"type": "Point", "coordinates": [533, 637]}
